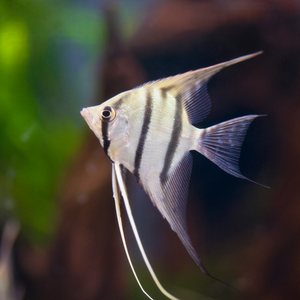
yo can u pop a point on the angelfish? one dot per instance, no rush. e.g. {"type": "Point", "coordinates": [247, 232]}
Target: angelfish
{"type": "Point", "coordinates": [148, 130]}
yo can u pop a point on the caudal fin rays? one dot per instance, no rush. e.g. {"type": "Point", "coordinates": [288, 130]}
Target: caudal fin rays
{"type": "Point", "coordinates": [222, 144]}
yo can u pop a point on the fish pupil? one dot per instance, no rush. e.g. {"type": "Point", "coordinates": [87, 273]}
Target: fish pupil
{"type": "Point", "coordinates": [106, 114]}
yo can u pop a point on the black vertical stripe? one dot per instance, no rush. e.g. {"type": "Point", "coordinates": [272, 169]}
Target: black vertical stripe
{"type": "Point", "coordinates": [118, 103]}
{"type": "Point", "coordinates": [106, 140]}
{"type": "Point", "coordinates": [143, 135]}
{"type": "Point", "coordinates": [174, 141]}
{"type": "Point", "coordinates": [164, 91]}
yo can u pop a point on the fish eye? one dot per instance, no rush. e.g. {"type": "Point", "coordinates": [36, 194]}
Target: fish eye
{"type": "Point", "coordinates": [108, 114]}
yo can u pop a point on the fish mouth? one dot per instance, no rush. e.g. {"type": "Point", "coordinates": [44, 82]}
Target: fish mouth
{"type": "Point", "coordinates": [89, 118]}
{"type": "Point", "coordinates": [85, 113]}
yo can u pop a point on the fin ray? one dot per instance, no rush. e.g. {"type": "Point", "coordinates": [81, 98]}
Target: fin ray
{"type": "Point", "coordinates": [170, 198]}
{"type": "Point", "coordinates": [117, 170]}
{"type": "Point", "coordinates": [196, 102]}
{"type": "Point", "coordinates": [171, 201]}
{"type": "Point", "coordinates": [222, 144]}
{"type": "Point", "coordinates": [174, 201]}
{"type": "Point", "coordinates": [116, 194]}
{"type": "Point", "coordinates": [192, 87]}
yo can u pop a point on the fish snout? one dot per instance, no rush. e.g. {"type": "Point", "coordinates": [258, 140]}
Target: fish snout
{"type": "Point", "coordinates": [88, 116]}
{"type": "Point", "coordinates": [91, 118]}
{"type": "Point", "coordinates": [85, 113]}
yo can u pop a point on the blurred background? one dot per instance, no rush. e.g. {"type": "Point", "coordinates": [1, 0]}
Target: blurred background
{"type": "Point", "coordinates": [59, 231]}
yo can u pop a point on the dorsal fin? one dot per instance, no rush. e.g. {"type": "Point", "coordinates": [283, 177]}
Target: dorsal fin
{"type": "Point", "coordinates": [192, 88]}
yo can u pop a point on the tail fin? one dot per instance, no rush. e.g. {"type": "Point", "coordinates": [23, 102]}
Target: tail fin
{"type": "Point", "coordinates": [222, 144]}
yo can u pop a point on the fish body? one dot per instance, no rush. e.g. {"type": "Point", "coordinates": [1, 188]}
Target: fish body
{"type": "Point", "coordinates": [149, 130]}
